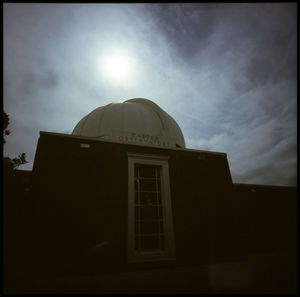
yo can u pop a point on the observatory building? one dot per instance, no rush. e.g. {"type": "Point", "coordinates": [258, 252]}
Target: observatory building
{"type": "Point", "coordinates": [126, 181]}
{"type": "Point", "coordinates": [123, 192]}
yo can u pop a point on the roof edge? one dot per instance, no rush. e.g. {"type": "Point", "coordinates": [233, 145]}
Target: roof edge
{"type": "Point", "coordinates": [129, 143]}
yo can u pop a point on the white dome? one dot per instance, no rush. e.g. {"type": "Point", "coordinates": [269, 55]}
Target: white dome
{"type": "Point", "coordinates": [138, 120]}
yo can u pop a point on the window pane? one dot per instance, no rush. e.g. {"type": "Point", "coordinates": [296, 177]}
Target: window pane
{"type": "Point", "coordinates": [148, 213]}
{"type": "Point", "coordinates": [148, 185]}
{"type": "Point", "coordinates": [151, 227]}
{"type": "Point", "coordinates": [150, 198]}
{"type": "Point", "coordinates": [149, 171]}
{"type": "Point", "coordinates": [150, 243]}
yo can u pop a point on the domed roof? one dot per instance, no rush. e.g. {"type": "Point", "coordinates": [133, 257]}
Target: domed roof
{"type": "Point", "coordinates": [137, 120]}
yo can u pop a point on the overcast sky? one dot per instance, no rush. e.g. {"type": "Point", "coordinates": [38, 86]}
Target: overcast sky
{"type": "Point", "coordinates": [225, 72]}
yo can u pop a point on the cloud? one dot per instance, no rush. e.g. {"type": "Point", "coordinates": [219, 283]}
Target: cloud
{"type": "Point", "coordinates": [260, 148]}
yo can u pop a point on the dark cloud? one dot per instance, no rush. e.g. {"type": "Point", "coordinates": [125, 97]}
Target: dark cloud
{"type": "Point", "coordinates": [187, 27]}
{"type": "Point", "coordinates": [31, 82]}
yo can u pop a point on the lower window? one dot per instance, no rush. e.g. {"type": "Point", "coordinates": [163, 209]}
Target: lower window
{"type": "Point", "coordinates": [150, 228]}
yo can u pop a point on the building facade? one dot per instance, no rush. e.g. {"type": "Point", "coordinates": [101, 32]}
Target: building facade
{"type": "Point", "coordinates": [123, 193]}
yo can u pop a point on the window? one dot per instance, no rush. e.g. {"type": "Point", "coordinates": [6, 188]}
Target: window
{"type": "Point", "coordinates": [150, 228]}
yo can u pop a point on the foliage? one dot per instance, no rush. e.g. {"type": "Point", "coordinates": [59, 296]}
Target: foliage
{"type": "Point", "coordinates": [5, 125]}
{"type": "Point", "coordinates": [14, 163]}
{"type": "Point", "coordinates": [8, 163]}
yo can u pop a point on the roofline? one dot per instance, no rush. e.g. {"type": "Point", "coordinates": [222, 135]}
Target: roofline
{"type": "Point", "coordinates": [129, 143]}
{"type": "Point", "coordinates": [263, 186]}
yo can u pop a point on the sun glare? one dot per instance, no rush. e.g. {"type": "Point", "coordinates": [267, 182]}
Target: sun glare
{"type": "Point", "coordinates": [117, 66]}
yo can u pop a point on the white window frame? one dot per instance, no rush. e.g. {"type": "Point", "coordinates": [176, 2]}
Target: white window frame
{"type": "Point", "coordinates": [169, 248]}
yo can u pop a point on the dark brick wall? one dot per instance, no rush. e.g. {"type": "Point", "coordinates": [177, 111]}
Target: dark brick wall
{"type": "Point", "coordinates": [270, 213]}
{"type": "Point", "coordinates": [270, 216]}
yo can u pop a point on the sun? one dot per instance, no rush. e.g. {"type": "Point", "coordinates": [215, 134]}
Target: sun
{"type": "Point", "coordinates": [117, 66]}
